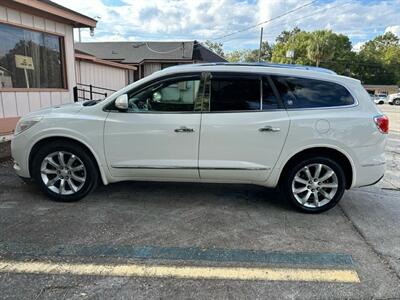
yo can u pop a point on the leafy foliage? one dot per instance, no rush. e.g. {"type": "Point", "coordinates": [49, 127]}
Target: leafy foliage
{"type": "Point", "coordinates": [378, 61]}
{"type": "Point", "coordinates": [215, 47]}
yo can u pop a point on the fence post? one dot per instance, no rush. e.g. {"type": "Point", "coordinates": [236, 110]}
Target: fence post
{"type": "Point", "coordinates": [91, 91]}
{"type": "Point", "coordinates": [75, 90]}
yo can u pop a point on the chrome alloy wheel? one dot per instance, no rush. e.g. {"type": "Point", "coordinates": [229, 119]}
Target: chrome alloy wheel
{"type": "Point", "coordinates": [315, 185]}
{"type": "Point", "coordinates": [63, 172]}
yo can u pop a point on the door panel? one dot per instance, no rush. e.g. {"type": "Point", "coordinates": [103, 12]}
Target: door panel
{"type": "Point", "coordinates": [241, 146]}
{"type": "Point", "coordinates": [245, 129]}
{"type": "Point", "coordinates": [147, 145]}
{"type": "Point", "coordinates": [158, 134]}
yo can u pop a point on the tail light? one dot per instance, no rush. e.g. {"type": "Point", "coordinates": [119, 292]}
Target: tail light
{"type": "Point", "coordinates": [382, 122]}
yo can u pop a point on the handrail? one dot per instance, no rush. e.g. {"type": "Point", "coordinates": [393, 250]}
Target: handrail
{"type": "Point", "coordinates": [90, 91]}
{"type": "Point", "coordinates": [96, 87]}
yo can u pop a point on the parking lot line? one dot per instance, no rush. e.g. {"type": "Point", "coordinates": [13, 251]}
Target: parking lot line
{"type": "Point", "coordinates": [219, 255]}
{"type": "Point", "coordinates": [183, 272]}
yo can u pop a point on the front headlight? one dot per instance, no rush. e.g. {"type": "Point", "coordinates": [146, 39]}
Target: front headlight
{"type": "Point", "coordinates": [25, 124]}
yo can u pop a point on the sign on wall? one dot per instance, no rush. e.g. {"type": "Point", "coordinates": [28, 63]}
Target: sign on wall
{"type": "Point", "coordinates": [26, 63]}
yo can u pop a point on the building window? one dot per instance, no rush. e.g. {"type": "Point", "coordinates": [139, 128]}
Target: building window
{"type": "Point", "coordinates": [30, 59]}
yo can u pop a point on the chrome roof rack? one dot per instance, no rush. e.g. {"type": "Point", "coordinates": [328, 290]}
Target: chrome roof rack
{"type": "Point", "coordinates": [264, 64]}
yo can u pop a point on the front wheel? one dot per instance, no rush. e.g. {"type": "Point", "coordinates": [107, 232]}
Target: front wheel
{"type": "Point", "coordinates": [314, 185]}
{"type": "Point", "coordinates": [64, 171]}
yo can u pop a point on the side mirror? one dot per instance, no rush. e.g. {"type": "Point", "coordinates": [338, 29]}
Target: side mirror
{"type": "Point", "coordinates": [122, 102]}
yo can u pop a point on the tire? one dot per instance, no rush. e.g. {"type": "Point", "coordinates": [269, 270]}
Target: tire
{"type": "Point", "coordinates": [328, 191]}
{"type": "Point", "coordinates": [78, 171]}
{"type": "Point", "coordinates": [396, 101]}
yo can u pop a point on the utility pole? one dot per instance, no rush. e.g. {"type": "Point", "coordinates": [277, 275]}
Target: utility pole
{"type": "Point", "coordinates": [259, 50]}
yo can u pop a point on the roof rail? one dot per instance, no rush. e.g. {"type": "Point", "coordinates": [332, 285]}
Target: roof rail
{"type": "Point", "coordinates": [264, 64]}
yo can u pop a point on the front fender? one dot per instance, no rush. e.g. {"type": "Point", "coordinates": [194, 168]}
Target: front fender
{"type": "Point", "coordinates": [93, 142]}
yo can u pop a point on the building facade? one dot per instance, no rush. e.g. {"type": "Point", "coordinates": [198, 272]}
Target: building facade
{"type": "Point", "coordinates": [37, 57]}
{"type": "Point", "coordinates": [149, 57]}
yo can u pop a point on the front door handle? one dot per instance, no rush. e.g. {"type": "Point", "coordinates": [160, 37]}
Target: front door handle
{"type": "Point", "coordinates": [269, 129]}
{"type": "Point", "coordinates": [184, 129]}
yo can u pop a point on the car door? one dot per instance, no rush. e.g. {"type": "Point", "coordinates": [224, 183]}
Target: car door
{"type": "Point", "coordinates": [244, 130]}
{"type": "Point", "coordinates": [158, 135]}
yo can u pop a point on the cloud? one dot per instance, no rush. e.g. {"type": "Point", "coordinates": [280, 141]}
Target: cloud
{"type": "Point", "coordinates": [357, 46]}
{"type": "Point", "coordinates": [394, 29]}
{"type": "Point", "coordinates": [210, 19]}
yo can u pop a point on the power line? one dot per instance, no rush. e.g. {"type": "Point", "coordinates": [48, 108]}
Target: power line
{"type": "Point", "coordinates": [267, 21]}
{"type": "Point", "coordinates": [163, 52]}
{"type": "Point", "coordinates": [304, 17]}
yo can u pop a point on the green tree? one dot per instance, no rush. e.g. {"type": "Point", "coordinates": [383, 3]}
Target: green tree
{"type": "Point", "coordinates": [295, 41]}
{"type": "Point", "coordinates": [321, 46]}
{"type": "Point", "coordinates": [235, 56]}
{"type": "Point", "coordinates": [379, 60]}
{"type": "Point", "coordinates": [286, 35]}
{"type": "Point", "coordinates": [251, 55]}
{"type": "Point", "coordinates": [215, 47]}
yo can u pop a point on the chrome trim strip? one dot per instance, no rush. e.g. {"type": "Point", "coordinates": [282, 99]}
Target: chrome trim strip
{"type": "Point", "coordinates": [374, 164]}
{"type": "Point", "coordinates": [186, 168]}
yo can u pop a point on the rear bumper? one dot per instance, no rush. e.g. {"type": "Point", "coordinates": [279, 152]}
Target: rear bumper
{"type": "Point", "coordinates": [374, 182]}
{"type": "Point", "coordinates": [370, 174]}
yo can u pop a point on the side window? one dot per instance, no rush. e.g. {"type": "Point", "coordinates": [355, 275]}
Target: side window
{"type": "Point", "coordinates": [233, 93]}
{"type": "Point", "coordinates": [269, 98]}
{"type": "Point", "coordinates": [311, 93]}
{"type": "Point", "coordinates": [168, 96]}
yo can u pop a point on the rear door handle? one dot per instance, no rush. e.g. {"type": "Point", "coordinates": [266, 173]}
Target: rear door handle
{"type": "Point", "coordinates": [184, 129]}
{"type": "Point", "coordinates": [269, 129]}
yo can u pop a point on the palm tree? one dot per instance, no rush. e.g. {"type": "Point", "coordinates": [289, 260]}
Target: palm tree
{"type": "Point", "coordinates": [320, 46]}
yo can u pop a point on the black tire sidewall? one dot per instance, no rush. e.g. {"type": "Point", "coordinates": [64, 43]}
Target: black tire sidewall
{"type": "Point", "coordinates": [287, 183]}
{"type": "Point", "coordinates": [79, 151]}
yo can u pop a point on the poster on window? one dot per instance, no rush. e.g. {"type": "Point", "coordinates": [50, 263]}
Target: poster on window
{"type": "Point", "coordinates": [24, 62]}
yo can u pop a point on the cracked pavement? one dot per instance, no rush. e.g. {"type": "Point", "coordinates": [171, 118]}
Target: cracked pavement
{"type": "Point", "coordinates": [365, 225]}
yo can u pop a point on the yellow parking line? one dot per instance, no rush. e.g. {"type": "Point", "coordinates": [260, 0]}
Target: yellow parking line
{"type": "Point", "coordinates": [187, 272]}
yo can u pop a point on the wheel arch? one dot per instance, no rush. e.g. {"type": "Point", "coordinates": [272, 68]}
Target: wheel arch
{"type": "Point", "coordinates": [341, 158]}
{"type": "Point", "coordinates": [86, 147]}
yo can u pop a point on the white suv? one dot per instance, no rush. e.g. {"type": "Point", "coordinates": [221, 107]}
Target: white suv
{"type": "Point", "coordinates": [309, 131]}
{"type": "Point", "coordinates": [394, 99]}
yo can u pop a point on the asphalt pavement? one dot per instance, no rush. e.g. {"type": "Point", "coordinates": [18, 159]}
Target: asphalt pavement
{"type": "Point", "coordinates": [143, 240]}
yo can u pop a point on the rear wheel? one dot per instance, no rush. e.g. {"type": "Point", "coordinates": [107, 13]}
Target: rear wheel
{"type": "Point", "coordinates": [396, 101]}
{"type": "Point", "coordinates": [314, 185]}
{"type": "Point", "coordinates": [65, 172]}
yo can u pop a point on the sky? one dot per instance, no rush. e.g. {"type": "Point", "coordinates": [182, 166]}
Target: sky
{"type": "Point", "coordinates": [163, 20]}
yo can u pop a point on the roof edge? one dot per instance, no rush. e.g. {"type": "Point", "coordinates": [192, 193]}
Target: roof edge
{"type": "Point", "coordinates": [93, 59]}
{"type": "Point", "coordinates": [50, 8]}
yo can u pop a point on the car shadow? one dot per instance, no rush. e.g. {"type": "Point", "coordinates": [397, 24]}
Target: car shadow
{"type": "Point", "coordinates": [192, 193]}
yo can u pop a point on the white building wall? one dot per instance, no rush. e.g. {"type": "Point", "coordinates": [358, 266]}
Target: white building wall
{"type": "Point", "coordinates": [100, 75]}
{"type": "Point", "coordinates": [150, 68]}
{"type": "Point", "coordinates": [19, 103]}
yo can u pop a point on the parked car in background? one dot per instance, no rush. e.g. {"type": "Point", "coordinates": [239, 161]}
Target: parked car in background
{"type": "Point", "coordinates": [380, 99]}
{"type": "Point", "coordinates": [307, 130]}
{"type": "Point", "coordinates": [394, 99]}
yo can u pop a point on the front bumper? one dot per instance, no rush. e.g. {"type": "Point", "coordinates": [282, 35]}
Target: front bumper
{"type": "Point", "coordinates": [19, 153]}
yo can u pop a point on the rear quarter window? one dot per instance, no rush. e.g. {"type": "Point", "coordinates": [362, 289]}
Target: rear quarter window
{"type": "Point", "coordinates": [311, 93]}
